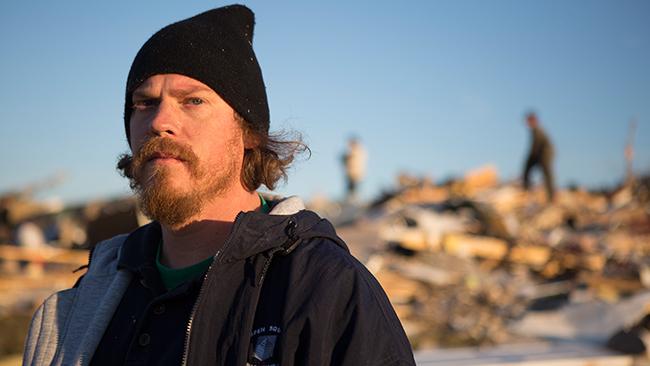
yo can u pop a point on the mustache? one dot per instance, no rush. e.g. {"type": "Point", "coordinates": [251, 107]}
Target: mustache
{"type": "Point", "coordinates": [164, 147]}
{"type": "Point", "coordinates": [156, 147]}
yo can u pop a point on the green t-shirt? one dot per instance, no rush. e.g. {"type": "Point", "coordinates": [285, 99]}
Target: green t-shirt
{"type": "Point", "coordinates": [173, 277]}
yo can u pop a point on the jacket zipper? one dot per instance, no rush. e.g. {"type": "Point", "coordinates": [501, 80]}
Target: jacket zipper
{"type": "Point", "coordinates": [186, 346]}
{"type": "Point", "coordinates": [286, 247]}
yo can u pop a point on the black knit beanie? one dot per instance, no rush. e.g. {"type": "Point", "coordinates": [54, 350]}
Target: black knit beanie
{"type": "Point", "coordinates": [214, 47]}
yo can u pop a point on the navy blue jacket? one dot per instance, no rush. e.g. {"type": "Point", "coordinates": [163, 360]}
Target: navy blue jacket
{"type": "Point", "coordinates": [283, 290]}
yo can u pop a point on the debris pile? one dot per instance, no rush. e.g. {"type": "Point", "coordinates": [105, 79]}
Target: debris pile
{"type": "Point", "coordinates": [471, 261]}
{"type": "Point", "coordinates": [42, 243]}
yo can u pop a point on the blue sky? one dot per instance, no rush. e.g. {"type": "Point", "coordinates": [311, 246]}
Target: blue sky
{"type": "Point", "coordinates": [431, 87]}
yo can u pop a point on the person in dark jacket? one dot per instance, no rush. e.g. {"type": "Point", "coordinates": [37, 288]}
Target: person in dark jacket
{"type": "Point", "coordinates": [222, 275]}
{"type": "Point", "coordinates": [540, 155]}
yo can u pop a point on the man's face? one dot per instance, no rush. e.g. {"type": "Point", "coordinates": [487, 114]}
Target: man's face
{"type": "Point", "coordinates": [531, 120]}
{"type": "Point", "coordinates": [188, 148]}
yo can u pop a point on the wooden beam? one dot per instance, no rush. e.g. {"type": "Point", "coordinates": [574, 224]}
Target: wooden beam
{"type": "Point", "coordinates": [44, 255]}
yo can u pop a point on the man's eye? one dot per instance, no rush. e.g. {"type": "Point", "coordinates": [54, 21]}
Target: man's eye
{"type": "Point", "coordinates": [194, 101]}
{"type": "Point", "coordinates": [143, 104]}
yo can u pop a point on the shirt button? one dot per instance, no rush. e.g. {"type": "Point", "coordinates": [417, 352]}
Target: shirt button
{"type": "Point", "coordinates": [144, 339]}
{"type": "Point", "coordinates": [159, 310]}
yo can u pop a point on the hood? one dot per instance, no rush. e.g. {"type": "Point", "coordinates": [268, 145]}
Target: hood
{"type": "Point", "coordinates": [280, 230]}
{"type": "Point", "coordinates": [234, 282]}
{"type": "Point", "coordinates": [252, 233]}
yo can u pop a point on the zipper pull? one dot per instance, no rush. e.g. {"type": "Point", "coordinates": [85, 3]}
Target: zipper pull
{"type": "Point", "coordinates": [290, 231]}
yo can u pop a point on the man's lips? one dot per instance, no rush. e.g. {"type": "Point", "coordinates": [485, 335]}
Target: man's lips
{"type": "Point", "coordinates": [164, 157]}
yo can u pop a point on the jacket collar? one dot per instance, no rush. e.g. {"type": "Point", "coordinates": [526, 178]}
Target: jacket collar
{"type": "Point", "coordinates": [140, 248]}
{"type": "Point", "coordinates": [252, 233]}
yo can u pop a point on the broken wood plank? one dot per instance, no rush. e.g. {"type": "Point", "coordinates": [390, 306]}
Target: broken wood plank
{"type": "Point", "coordinates": [535, 256]}
{"type": "Point", "coordinates": [400, 290]}
{"type": "Point", "coordinates": [44, 255]}
{"type": "Point", "coordinates": [464, 245]}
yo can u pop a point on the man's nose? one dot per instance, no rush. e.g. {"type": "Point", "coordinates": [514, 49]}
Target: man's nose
{"type": "Point", "coordinates": [164, 121]}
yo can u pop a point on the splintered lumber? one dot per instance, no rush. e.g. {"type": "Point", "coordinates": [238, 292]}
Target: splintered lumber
{"type": "Point", "coordinates": [535, 256]}
{"type": "Point", "coordinates": [594, 262]}
{"type": "Point", "coordinates": [485, 247]}
{"type": "Point", "coordinates": [24, 283]}
{"type": "Point", "coordinates": [423, 194]}
{"type": "Point", "coordinates": [399, 289]}
{"type": "Point", "coordinates": [481, 178]}
{"type": "Point", "coordinates": [414, 240]}
{"type": "Point", "coordinates": [426, 273]}
{"type": "Point", "coordinates": [49, 255]}
{"type": "Point", "coordinates": [608, 285]}
{"type": "Point", "coordinates": [535, 354]}
{"type": "Point", "coordinates": [464, 245]}
{"type": "Point", "coordinates": [549, 217]}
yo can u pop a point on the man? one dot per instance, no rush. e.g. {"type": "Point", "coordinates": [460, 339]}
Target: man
{"type": "Point", "coordinates": [221, 276]}
{"type": "Point", "coordinates": [540, 155]}
{"type": "Point", "coordinates": [354, 161]}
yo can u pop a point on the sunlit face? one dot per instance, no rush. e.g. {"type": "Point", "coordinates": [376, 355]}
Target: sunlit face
{"type": "Point", "coordinates": [187, 145]}
{"type": "Point", "coordinates": [531, 120]}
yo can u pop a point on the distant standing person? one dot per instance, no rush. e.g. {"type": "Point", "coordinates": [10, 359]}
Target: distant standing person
{"type": "Point", "coordinates": [540, 155]}
{"type": "Point", "coordinates": [354, 160]}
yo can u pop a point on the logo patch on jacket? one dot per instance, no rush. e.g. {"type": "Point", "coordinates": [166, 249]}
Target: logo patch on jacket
{"type": "Point", "coordinates": [263, 346]}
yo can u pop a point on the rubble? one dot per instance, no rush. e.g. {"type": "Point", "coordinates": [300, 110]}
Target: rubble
{"type": "Point", "coordinates": [474, 261]}
{"type": "Point", "coordinates": [528, 354]}
{"type": "Point", "coordinates": [471, 262]}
